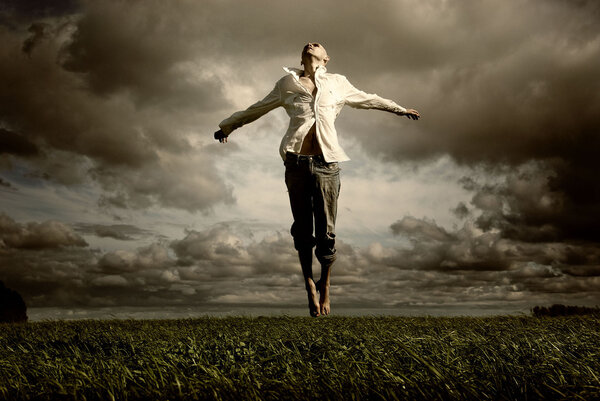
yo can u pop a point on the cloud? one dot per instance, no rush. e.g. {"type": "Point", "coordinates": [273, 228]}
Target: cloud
{"type": "Point", "coordinates": [14, 12]}
{"type": "Point", "coordinates": [461, 211]}
{"type": "Point", "coordinates": [152, 257]}
{"type": "Point", "coordinates": [49, 276]}
{"type": "Point", "coordinates": [52, 266]}
{"type": "Point", "coordinates": [469, 248]}
{"type": "Point", "coordinates": [144, 54]}
{"type": "Point", "coordinates": [124, 124]}
{"type": "Point", "coordinates": [13, 143]}
{"type": "Point", "coordinates": [39, 32]}
{"type": "Point", "coordinates": [465, 249]}
{"type": "Point", "coordinates": [530, 205]}
{"type": "Point", "coordinates": [497, 96]}
{"type": "Point", "coordinates": [123, 232]}
{"type": "Point", "coordinates": [507, 240]}
{"type": "Point", "coordinates": [6, 184]}
{"type": "Point", "coordinates": [223, 249]}
{"type": "Point", "coordinates": [49, 234]}
{"type": "Point", "coordinates": [187, 182]}
{"type": "Point", "coordinates": [420, 229]}
{"type": "Point", "coordinates": [110, 281]}
{"type": "Point", "coordinates": [220, 265]}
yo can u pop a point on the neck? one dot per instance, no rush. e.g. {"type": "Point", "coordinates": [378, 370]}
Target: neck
{"type": "Point", "coordinates": [310, 69]}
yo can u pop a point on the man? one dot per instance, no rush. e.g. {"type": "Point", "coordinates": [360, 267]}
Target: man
{"type": "Point", "coordinates": [313, 99]}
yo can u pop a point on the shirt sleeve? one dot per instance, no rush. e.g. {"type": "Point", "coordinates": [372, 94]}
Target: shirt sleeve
{"type": "Point", "coordinates": [257, 110]}
{"type": "Point", "coordinates": [362, 100]}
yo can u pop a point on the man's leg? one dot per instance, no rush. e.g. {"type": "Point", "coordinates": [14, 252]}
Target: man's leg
{"type": "Point", "coordinates": [298, 180]}
{"type": "Point", "coordinates": [325, 196]}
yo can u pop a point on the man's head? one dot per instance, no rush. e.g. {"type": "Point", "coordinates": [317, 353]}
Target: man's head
{"type": "Point", "coordinates": [314, 53]}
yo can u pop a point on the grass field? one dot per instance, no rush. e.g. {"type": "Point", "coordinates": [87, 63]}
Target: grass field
{"type": "Point", "coordinates": [283, 358]}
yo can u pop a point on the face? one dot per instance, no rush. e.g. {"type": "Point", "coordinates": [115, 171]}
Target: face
{"type": "Point", "coordinates": [317, 51]}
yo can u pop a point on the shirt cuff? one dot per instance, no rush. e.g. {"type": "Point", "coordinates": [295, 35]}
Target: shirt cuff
{"type": "Point", "coordinates": [400, 110]}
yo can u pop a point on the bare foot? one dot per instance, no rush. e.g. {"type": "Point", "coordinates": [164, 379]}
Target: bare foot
{"type": "Point", "coordinates": [325, 306]}
{"type": "Point", "coordinates": [313, 300]}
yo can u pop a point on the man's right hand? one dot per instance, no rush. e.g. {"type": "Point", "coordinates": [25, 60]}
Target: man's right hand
{"type": "Point", "coordinates": [221, 136]}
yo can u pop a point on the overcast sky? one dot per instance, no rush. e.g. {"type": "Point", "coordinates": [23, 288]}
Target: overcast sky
{"type": "Point", "coordinates": [113, 192]}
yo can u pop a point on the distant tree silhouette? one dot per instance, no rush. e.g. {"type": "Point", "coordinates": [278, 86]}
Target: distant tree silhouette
{"type": "Point", "coordinates": [564, 310]}
{"type": "Point", "coordinates": [12, 306]}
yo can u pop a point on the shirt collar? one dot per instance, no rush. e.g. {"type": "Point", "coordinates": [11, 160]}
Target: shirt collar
{"type": "Point", "coordinates": [296, 72]}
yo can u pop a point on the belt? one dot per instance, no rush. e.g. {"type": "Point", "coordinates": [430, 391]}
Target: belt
{"type": "Point", "coordinates": [298, 158]}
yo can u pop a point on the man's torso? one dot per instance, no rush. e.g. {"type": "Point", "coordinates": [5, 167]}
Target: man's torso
{"type": "Point", "coordinates": [312, 108]}
{"type": "Point", "coordinates": [310, 144]}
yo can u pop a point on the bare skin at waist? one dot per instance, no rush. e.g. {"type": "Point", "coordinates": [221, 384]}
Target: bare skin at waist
{"type": "Point", "coordinates": [310, 144]}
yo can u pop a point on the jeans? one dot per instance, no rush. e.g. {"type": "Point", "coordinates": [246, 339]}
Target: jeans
{"type": "Point", "coordinates": [313, 186]}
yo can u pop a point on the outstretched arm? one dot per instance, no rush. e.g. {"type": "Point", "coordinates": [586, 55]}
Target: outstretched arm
{"type": "Point", "coordinates": [257, 110]}
{"type": "Point", "coordinates": [362, 100]}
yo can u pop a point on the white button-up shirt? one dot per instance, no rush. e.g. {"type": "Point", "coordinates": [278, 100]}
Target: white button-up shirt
{"type": "Point", "coordinates": [333, 92]}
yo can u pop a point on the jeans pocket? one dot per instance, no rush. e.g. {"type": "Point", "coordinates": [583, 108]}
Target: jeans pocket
{"type": "Point", "coordinates": [330, 167]}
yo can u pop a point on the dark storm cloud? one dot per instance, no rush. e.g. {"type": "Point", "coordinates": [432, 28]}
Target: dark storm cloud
{"type": "Point", "coordinates": [470, 248]}
{"type": "Point", "coordinates": [223, 248]}
{"type": "Point", "coordinates": [143, 53]}
{"type": "Point", "coordinates": [434, 248]}
{"type": "Point", "coordinates": [530, 205]}
{"type": "Point", "coordinates": [124, 232]}
{"type": "Point", "coordinates": [50, 265]}
{"type": "Point", "coordinates": [6, 184]}
{"type": "Point", "coordinates": [117, 103]}
{"type": "Point", "coordinates": [13, 12]}
{"type": "Point", "coordinates": [56, 274]}
{"type": "Point", "coordinates": [48, 234]}
{"type": "Point", "coordinates": [420, 229]}
{"type": "Point", "coordinates": [184, 182]}
{"type": "Point", "coordinates": [519, 234]}
{"type": "Point", "coordinates": [219, 265]}
{"type": "Point", "coordinates": [13, 143]}
{"type": "Point", "coordinates": [523, 206]}
{"type": "Point", "coordinates": [48, 277]}
{"type": "Point", "coordinates": [39, 31]}
{"type": "Point", "coordinates": [478, 257]}
{"type": "Point", "coordinates": [494, 80]}
{"type": "Point", "coordinates": [461, 210]}
{"type": "Point", "coordinates": [517, 226]}
{"type": "Point", "coordinates": [151, 258]}
{"type": "Point", "coordinates": [82, 278]}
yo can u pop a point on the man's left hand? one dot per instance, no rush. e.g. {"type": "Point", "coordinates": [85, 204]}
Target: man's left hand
{"type": "Point", "coordinates": [412, 114]}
